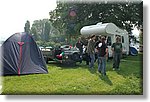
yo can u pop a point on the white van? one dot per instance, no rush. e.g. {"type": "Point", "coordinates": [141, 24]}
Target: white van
{"type": "Point", "coordinates": [109, 30]}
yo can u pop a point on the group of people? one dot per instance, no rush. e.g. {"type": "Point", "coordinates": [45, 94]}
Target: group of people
{"type": "Point", "coordinates": [96, 47]}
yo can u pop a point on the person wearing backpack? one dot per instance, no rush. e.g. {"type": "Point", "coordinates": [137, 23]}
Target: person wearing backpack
{"type": "Point", "coordinates": [117, 53]}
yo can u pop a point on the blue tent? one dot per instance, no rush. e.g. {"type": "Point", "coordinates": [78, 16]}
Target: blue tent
{"type": "Point", "coordinates": [133, 51]}
{"type": "Point", "coordinates": [22, 56]}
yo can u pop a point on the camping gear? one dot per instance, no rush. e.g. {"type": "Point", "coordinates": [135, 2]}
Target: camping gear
{"type": "Point", "coordinates": [133, 51]}
{"type": "Point", "coordinates": [22, 56]}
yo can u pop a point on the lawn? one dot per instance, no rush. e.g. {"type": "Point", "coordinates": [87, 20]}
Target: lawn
{"type": "Point", "coordinates": [81, 80]}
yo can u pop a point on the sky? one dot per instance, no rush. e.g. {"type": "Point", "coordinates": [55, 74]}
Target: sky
{"type": "Point", "coordinates": [15, 13]}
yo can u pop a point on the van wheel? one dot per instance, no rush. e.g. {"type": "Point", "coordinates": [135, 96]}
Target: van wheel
{"type": "Point", "coordinates": [76, 57]}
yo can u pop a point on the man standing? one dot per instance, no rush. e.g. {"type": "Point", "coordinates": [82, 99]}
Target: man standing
{"type": "Point", "coordinates": [102, 54]}
{"type": "Point", "coordinates": [79, 45]}
{"type": "Point", "coordinates": [117, 52]}
{"type": "Point", "coordinates": [91, 50]}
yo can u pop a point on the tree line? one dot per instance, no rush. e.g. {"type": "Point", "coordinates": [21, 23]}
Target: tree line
{"type": "Point", "coordinates": [69, 17]}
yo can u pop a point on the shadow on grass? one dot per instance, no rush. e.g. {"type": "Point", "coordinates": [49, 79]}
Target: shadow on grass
{"type": "Point", "coordinates": [131, 65]}
{"type": "Point", "coordinates": [72, 65]}
{"type": "Point", "coordinates": [131, 68]}
{"type": "Point", "coordinates": [106, 79]}
{"type": "Point", "coordinates": [92, 71]}
{"type": "Point", "coordinates": [63, 66]}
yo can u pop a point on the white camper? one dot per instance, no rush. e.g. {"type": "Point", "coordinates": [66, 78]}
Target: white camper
{"type": "Point", "coordinates": [109, 30]}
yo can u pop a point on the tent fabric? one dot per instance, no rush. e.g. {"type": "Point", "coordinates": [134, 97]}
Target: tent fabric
{"type": "Point", "coordinates": [21, 55]}
{"type": "Point", "coordinates": [133, 51]}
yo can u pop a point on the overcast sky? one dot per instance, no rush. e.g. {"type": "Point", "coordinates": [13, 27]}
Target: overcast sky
{"type": "Point", "coordinates": [15, 13]}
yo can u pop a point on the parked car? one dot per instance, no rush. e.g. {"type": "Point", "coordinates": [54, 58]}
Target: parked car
{"type": "Point", "coordinates": [65, 47]}
{"type": "Point", "coordinates": [49, 47]}
{"type": "Point", "coordinates": [40, 47]}
{"type": "Point", "coordinates": [65, 54]}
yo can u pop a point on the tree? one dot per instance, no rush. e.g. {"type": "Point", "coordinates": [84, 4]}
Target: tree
{"type": "Point", "coordinates": [39, 26]}
{"type": "Point", "coordinates": [47, 31]}
{"type": "Point", "coordinates": [124, 15]}
{"type": "Point", "coordinates": [34, 33]}
{"type": "Point", "coordinates": [27, 27]}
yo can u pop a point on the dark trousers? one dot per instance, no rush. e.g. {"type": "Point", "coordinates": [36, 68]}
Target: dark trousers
{"type": "Point", "coordinates": [86, 58]}
{"type": "Point", "coordinates": [81, 55]}
{"type": "Point", "coordinates": [116, 60]}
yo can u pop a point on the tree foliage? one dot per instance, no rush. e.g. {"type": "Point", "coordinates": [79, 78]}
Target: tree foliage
{"type": "Point", "coordinates": [34, 33]}
{"type": "Point", "coordinates": [27, 27]}
{"type": "Point", "coordinates": [41, 29]}
{"type": "Point", "coordinates": [47, 31]}
{"type": "Point", "coordinates": [69, 17]}
{"type": "Point", "coordinates": [124, 15]}
{"type": "Point", "coordinates": [45, 34]}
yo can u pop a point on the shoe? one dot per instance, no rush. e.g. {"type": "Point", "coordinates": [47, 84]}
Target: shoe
{"type": "Point", "coordinates": [99, 71]}
{"type": "Point", "coordinates": [104, 74]}
{"type": "Point", "coordinates": [113, 68]}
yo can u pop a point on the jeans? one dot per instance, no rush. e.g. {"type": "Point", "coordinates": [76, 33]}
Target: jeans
{"type": "Point", "coordinates": [102, 65]}
{"type": "Point", "coordinates": [116, 59]}
{"type": "Point", "coordinates": [92, 57]}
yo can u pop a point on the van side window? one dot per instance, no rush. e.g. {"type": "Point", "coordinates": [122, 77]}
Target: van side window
{"type": "Point", "coordinates": [122, 39]}
{"type": "Point", "coordinates": [109, 41]}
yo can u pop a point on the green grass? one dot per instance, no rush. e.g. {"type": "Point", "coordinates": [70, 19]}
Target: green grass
{"type": "Point", "coordinates": [80, 80]}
